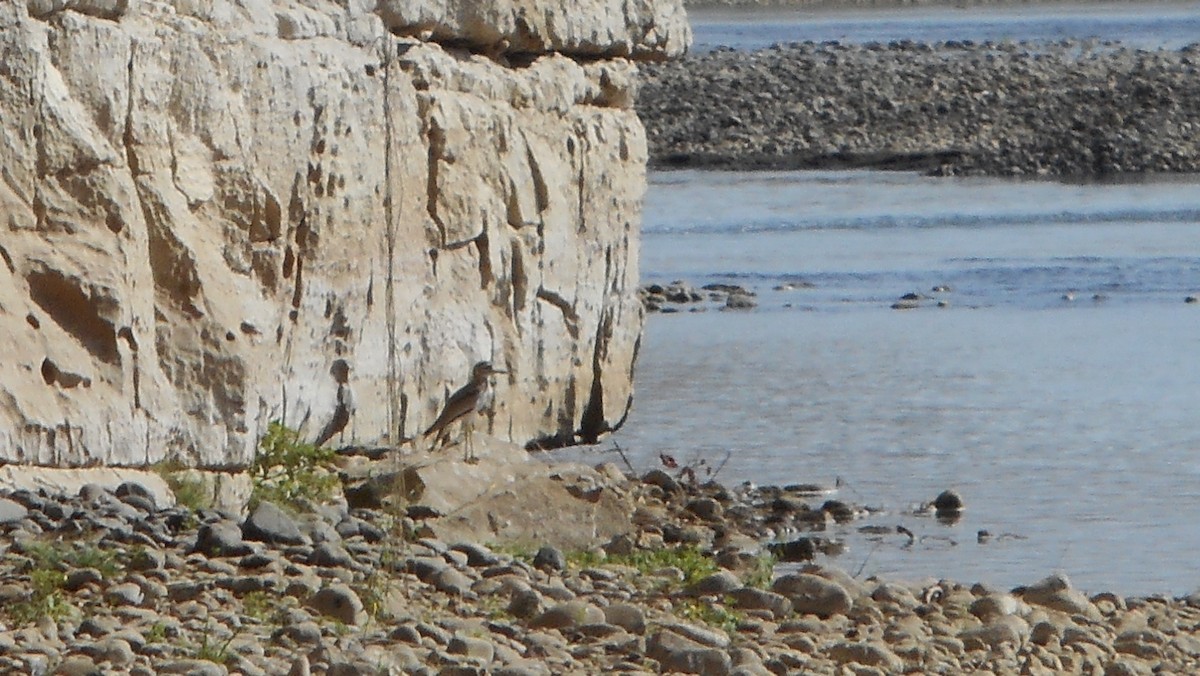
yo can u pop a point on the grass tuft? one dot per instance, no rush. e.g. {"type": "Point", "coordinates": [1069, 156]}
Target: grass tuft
{"type": "Point", "coordinates": [292, 473]}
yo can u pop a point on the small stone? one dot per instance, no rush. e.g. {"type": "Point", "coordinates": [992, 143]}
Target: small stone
{"type": "Point", "coordinates": [1004, 629]}
{"type": "Point", "coordinates": [550, 558]}
{"type": "Point", "coordinates": [1043, 633]}
{"type": "Point", "coordinates": [269, 523]}
{"type": "Point", "coordinates": [92, 492]}
{"type": "Point", "coordinates": [124, 594]}
{"type": "Point", "coordinates": [406, 634]}
{"type": "Point", "coordinates": [118, 651]}
{"type": "Point", "coordinates": [948, 502]}
{"type": "Point", "coordinates": [478, 556]}
{"type": "Point", "coordinates": [676, 653]}
{"type": "Point", "coordinates": [222, 538]}
{"type": "Point", "coordinates": [567, 615]}
{"type": "Point", "coordinates": [192, 668]}
{"type": "Point", "coordinates": [340, 603]}
{"type": "Point", "coordinates": [78, 665]}
{"type": "Point", "coordinates": [525, 604]}
{"type": "Point", "coordinates": [749, 598]}
{"type": "Point", "coordinates": [424, 567]}
{"type": "Point", "coordinates": [11, 512]}
{"type": "Point", "coordinates": [721, 582]}
{"type": "Point", "coordinates": [1128, 667]}
{"type": "Point", "coordinates": [992, 606]}
{"type": "Point", "coordinates": [868, 653]}
{"type": "Point", "coordinates": [145, 505]}
{"type": "Point", "coordinates": [712, 638]}
{"type": "Point", "coordinates": [473, 648]}
{"type": "Point", "coordinates": [330, 555]}
{"type": "Point", "coordinates": [81, 577]}
{"type": "Point", "coordinates": [147, 558]}
{"type": "Point", "coordinates": [627, 616]}
{"type": "Point", "coordinates": [739, 301]}
{"type": "Point", "coordinates": [800, 549]}
{"type": "Point", "coordinates": [619, 545]}
{"type": "Point", "coordinates": [1055, 592]}
{"type": "Point", "coordinates": [706, 509]}
{"type": "Point", "coordinates": [812, 594]}
{"type": "Point", "coordinates": [452, 581]}
{"type": "Point", "coordinates": [303, 633]}
{"type": "Point", "coordinates": [300, 667]}
{"type": "Point", "coordinates": [657, 477]}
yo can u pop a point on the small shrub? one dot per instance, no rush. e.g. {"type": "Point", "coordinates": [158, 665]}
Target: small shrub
{"type": "Point", "coordinates": [762, 573]}
{"type": "Point", "coordinates": [260, 605]}
{"type": "Point", "coordinates": [157, 633]}
{"type": "Point", "coordinates": [46, 600]}
{"type": "Point", "coordinates": [689, 559]}
{"type": "Point", "coordinates": [288, 471]}
{"type": "Point", "coordinates": [718, 617]}
{"type": "Point", "coordinates": [212, 648]}
{"type": "Point", "coordinates": [190, 491]}
{"type": "Point", "coordinates": [373, 591]}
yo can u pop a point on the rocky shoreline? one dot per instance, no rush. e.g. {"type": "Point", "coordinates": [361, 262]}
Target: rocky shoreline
{"type": "Point", "coordinates": [1080, 109]}
{"type": "Point", "coordinates": [109, 581]}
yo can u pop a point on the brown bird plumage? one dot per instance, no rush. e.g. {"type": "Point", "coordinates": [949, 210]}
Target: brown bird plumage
{"type": "Point", "coordinates": [475, 396]}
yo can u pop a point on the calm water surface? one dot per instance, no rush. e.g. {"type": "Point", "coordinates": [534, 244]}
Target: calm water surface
{"type": "Point", "coordinates": [1070, 427]}
{"type": "Point", "coordinates": [1144, 25]}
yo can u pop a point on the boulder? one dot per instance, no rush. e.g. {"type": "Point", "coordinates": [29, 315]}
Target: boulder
{"type": "Point", "coordinates": [216, 219]}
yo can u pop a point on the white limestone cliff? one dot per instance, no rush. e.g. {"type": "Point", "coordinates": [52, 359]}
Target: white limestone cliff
{"type": "Point", "coordinates": [218, 214]}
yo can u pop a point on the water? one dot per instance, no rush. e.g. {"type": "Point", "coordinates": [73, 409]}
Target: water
{"type": "Point", "coordinates": [1069, 427]}
{"type": "Point", "coordinates": [1138, 25]}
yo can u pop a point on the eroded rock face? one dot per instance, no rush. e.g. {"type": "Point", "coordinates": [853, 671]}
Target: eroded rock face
{"type": "Point", "coordinates": [217, 214]}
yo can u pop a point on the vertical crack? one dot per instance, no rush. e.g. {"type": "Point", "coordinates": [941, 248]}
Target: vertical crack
{"type": "Point", "coordinates": [397, 403]}
{"type": "Point", "coordinates": [592, 423]}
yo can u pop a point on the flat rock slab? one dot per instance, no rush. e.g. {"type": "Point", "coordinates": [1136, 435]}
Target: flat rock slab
{"type": "Point", "coordinates": [488, 500]}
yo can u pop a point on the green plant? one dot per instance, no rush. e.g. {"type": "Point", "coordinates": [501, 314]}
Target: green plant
{"type": "Point", "coordinates": [691, 560]}
{"type": "Point", "coordinates": [157, 633]}
{"type": "Point", "coordinates": [66, 555]}
{"type": "Point", "coordinates": [46, 599]}
{"type": "Point", "coordinates": [288, 471]}
{"type": "Point", "coordinates": [762, 573]}
{"type": "Point", "coordinates": [260, 605]}
{"type": "Point", "coordinates": [373, 591]}
{"type": "Point", "coordinates": [190, 490]}
{"type": "Point", "coordinates": [212, 648]}
{"type": "Point", "coordinates": [715, 616]}
{"type": "Point", "coordinates": [46, 564]}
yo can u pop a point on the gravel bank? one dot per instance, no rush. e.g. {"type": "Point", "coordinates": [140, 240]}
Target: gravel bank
{"type": "Point", "coordinates": [104, 582]}
{"type": "Point", "coordinates": [1067, 109]}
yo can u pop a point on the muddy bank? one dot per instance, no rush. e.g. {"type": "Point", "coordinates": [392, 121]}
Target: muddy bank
{"type": "Point", "coordinates": [108, 581]}
{"type": "Point", "coordinates": [1066, 109]}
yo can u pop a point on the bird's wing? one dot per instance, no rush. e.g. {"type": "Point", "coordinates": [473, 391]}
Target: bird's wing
{"type": "Point", "coordinates": [460, 403]}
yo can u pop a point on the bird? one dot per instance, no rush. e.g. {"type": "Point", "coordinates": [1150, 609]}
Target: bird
{"type": "Point", "coordinates": [474, 397]}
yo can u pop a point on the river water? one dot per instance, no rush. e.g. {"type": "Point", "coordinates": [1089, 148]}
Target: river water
{"type": "Point", "coordinates": [1145, 25]}
{"type": "Point", "coordinates": [1070, 427]}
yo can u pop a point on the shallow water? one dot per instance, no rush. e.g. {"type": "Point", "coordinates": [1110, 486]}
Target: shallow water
{"type": "Point", "coordinates": [1144, 25]}
{"type": "Point", "coordinates": [1070, 427]}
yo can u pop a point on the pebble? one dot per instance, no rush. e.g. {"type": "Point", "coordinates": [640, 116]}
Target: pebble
{"type": "Point", "coordinates": [339, 602]}
{"type": "Point", "coordinates": [550, 558]}
{"type": "Point", "coordinates": [469, 609]}
{"type": "Point", "coordinates": [269, 523]}
{"type": "Point", "coordinates": [994, 108]}
{"type": "Point", "coordinates": [815, 595]}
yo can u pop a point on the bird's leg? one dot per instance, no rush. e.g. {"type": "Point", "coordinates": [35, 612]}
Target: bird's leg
{"type": "Point", "coordinates": [468, 434]}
